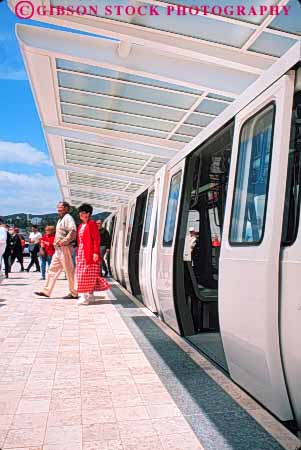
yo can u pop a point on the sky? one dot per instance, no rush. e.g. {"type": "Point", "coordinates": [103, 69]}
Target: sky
{"type": "Point", "coordinates": [27, 178]}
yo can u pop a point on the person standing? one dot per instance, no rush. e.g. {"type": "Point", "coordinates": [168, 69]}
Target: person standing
{"type": "Point", "coordinates": [65, 235]}
{"type": "Point", "coordinates": [16, 249]}
{"type": "Point", "coordinates": [7, 252]}
{"type": "Point", "coordinates": [34, 247]}
{"type": "Point", "coordinates": [3, 241]}
{"type": "Point", "coordinates": [47, 249]}
{"type": "Point", "coordinates": [88, 258]}
{"type": "Point", "coordinates": [105, 243]}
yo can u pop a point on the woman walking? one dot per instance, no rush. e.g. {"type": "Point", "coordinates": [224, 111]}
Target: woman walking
{"type": "Point", "coordinates": [47, 249]}
{"type": "Point", "coordinates": [88, 258]}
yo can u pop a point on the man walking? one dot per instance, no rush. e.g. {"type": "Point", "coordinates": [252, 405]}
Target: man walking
{"type": "Point", "coordinates": [65, 236]}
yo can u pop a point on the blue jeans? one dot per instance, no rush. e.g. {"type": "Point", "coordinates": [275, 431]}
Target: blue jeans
{"type": "Point", "coordinates": [44, 260]}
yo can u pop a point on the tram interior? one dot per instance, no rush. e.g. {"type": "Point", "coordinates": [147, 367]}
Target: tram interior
{"type": "Point", "coordinates": [135, 244]}
{"type": "Point", "coordinates": [203, 240]}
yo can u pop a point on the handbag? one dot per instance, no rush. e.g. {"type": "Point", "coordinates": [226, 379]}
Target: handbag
{"type": "Point", "coordinates": [43, 252]}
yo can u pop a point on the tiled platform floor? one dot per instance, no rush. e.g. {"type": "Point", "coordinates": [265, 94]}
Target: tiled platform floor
{"type": "Point", "coordinates": [110, 376]}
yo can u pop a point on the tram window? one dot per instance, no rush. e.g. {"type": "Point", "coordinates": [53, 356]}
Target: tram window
{"type": "Point", "coordinates": [148, 217]}
{"type": "Point", "coordinates": [131, 221]}
{"type": "Point", "coordinates": [252, 178]}
{"type": "Point", "coordinates": [293, 183]}
{"type": "Point", "coordinates": [172, 206]}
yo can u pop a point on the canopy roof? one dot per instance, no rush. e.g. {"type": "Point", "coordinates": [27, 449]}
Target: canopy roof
{"type": "Point", "coordinates": [118, 105]}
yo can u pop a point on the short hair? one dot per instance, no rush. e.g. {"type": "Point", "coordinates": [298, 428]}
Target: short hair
{"type": "Point", "coordinates": [16, 229]}
{"type": "Point", "coordinates": [34, 226]}
{"type": "Point", "coordinates": [66, 205]}
{"type": "Point", "coordinates": [85, 207]}
{"type": "Point", "coordinates": [50, 228]}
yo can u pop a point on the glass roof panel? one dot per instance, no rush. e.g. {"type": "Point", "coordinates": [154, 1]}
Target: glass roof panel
{"type": "Point", "coordinates": [115, 89]}
{"type": "Point", "coordinates": [198, 27]}
{"type": "Point", "coordinates": [211, 107]}
{"type": "Point", "coordinates": [291, 23]}
{"type": "Point", "coordinates": [98, 162]}
{"type": "Point", "coordinates": [199, 120]}
{"type": "Point", "coordinates": [109, 116]}
{"type": "Point", "coordinates": [220, 97]}
{"type": "Point", "coordinates": [178, 138]}
{"type": "Point", "coordinates": [271, 44]}
{"type": "Point", "coordinates": [106, 158]}
{"type": "Point", "coordinates": [87, 180]}
{"type": "Point", "coordinates": [116, 127]}
{"type": "Point", "coordinates": [98, 149]}
{"type": "Point", "coordinates": [100, 71]}
{"type": "Point", "coordinates": [120, 105]}
{"type": "Point", "coordinates": [190, 131]}
{"type": "Point", "coordinates": [230, 9]}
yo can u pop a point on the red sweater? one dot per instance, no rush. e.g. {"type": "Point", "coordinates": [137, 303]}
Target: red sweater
{"type": "Point", "coordinates": [91, 241]}
{"type": "Point", "coordinates": [47, 242]}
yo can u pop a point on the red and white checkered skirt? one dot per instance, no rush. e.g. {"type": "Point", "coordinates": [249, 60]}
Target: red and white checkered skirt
{"type": "Point", "coordinates": [88, 275]}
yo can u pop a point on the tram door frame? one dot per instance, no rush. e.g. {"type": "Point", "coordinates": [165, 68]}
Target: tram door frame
{"type": "Point", "coordinates": [127, 240]}
{"type": "Point", "coordinates": [160, 194]}
{"type": "Point", "coordinates": [249, 274]}
{"type": "Point", "coordinates": [135, 242]}
{"type": "Point", "coordinates": [145, 256]}
{"type": "Point", "coordinates": [290, 299]}
{"type": "Point", "coordinates": [165, 255]}
{"type": "Point", "coordinates": [119, 244]}
{"type": "Point", "coordinates": [113, 224]}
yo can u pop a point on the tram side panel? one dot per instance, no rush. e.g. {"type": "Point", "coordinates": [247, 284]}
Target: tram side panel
{"type": "Point", "coordinates": [249, 262]}
{"type": "Point", "coordinates": [149, 244]}
{"type": "Point", "coordinates": [167, 227]}
{"type": "Point", "coordinates": [115, 246]}
{"type": "Point", "coordinates": [129, 226]}
{"type": "Point", "coordinates": [120, 242]}
{"type": "Point", "coordinates": [145, 254]}
{"type": "Point", "coordinates": [112, 258]}
{"type": "Point", "coordinates": [290, 316]}
{"type": "Point", "coordinates": [160, 195]}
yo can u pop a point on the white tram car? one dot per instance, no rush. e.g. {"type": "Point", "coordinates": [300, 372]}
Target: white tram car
{"type": "Point", "coordinates": [213, 246]}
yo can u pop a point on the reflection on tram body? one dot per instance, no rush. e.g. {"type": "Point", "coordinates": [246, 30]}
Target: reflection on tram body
{"type": "Point", "coordinates": [229, 211]}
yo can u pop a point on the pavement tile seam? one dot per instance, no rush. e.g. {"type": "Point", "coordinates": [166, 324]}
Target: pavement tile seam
{"type": "Point", "coordinates": [105, 378]}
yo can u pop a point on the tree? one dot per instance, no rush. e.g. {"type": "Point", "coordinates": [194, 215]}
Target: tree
{"type": "Point", "coordinates": [75, 214]}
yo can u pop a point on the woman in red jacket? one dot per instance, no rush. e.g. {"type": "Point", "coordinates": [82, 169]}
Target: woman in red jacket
{"type": "Point", "coordinates": [88, 258]}
{"type": "Point", "coordinates": [47, 249]}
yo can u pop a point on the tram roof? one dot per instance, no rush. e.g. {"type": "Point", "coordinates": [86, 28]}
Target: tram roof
{"type": "Point", "coordinates": [120, 99]}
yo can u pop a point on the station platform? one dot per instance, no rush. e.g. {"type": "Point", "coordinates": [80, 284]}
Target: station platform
{"type": "Point", "coordinates": [112, 376]}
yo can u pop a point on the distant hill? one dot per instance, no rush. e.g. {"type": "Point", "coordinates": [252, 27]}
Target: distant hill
{"type": "Point", "coordinates": [23, 220]}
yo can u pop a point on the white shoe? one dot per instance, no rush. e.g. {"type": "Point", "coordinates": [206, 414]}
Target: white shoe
{"type": "Point", "coordinates": [83, 299]}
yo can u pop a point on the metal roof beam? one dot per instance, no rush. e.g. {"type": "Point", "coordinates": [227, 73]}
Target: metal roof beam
{"type": "Point", "coordinates": [105, 173]}
{"type": "Point", "coordinates": [99, 190]}
{"type": "Point", "coordinates": [177, 44]}
{"type": "Point", "coordinates": [96, 203]}
{"type": "Point", "coordinates": [113, 139]}
{"type": "Point", "coordinates": [178, 68]}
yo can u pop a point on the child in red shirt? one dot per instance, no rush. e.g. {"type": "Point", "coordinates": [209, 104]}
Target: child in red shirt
{"type": "Point", "coordinates": [47, 249]}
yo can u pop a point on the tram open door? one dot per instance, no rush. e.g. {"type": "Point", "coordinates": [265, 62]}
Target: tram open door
{"type": "Point", "coordinates": [249, 282]}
